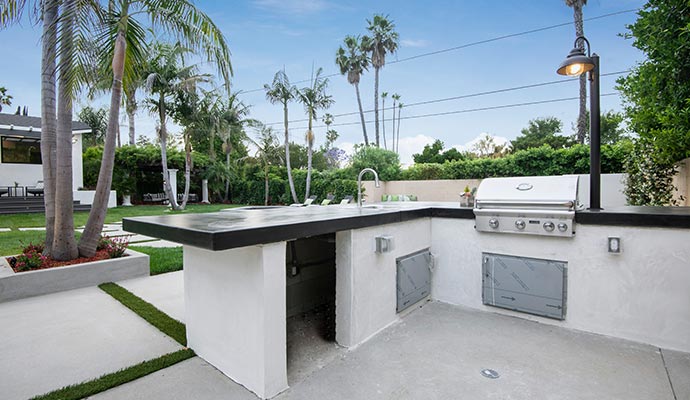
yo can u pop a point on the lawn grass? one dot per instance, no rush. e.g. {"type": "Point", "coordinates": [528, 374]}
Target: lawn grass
{"type": "Point", "coordinates": [161, 259]}
{"type": "Point", "coordinates": [171, 327]}
{"type": "Point", "coordinates": [14, 241]}
{"type": "Point", "coordinates": [32, 220]}
{"type": "Point", "coordinates": [109, 381]}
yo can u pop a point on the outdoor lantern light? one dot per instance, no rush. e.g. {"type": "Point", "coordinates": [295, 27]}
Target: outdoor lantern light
{"type": "Point", "coordinates": [577, 63]}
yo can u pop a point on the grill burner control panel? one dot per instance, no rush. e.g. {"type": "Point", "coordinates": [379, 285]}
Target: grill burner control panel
{"type": "Point", "coordinates": [549, 226]}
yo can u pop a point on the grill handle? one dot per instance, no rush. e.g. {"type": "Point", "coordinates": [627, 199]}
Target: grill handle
{"type": "Point", "coordinates": [517, 204]}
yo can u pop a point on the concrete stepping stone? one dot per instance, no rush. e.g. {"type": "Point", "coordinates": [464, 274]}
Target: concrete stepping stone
{"type": "Point", "coordinates": [164, 291]}
{"type": "Point", "coordinates": [160, 244]}
{"type": "Point", "coordinates": [5, 229]}
{"type": "Point", "coordinates": [66, 338]}
{"type": "Point", "coordinates": [32, 229]}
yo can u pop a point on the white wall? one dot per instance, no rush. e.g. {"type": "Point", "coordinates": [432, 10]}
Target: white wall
{"type": "Point", "coordinates": [235, 313]}
{"type": "Point", "coordinates": [365, 281]}
{"type": "Point", "coordinates": [86, 197]}
{"type": "Point", "coordinates": [23, 174]}
{"type": "Point", "coordinates": [77, 163]}
{"type": "Point", "coordinates": [449, 190]}
{"type": "Point", "coordinates": [642, 294]}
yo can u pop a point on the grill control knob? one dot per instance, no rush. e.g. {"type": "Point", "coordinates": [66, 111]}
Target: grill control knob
{"type": "Point", "coordinates": [493, 222]}
{"type": "Point", "coordinates": [520, 224]}
{"type": "Point", "coordinates": [549, 226]}
{"type": "Point", "coordinates": [562, 227]}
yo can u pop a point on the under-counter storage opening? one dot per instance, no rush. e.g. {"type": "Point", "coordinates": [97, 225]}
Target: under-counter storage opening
{"type": "Point", "coordinates": [310, 278]}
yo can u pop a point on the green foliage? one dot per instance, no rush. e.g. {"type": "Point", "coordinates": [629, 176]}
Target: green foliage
{"type": "Point", "coordinates": [542, 131]}
{"type": "Point", "coordinates": [542, 160]}
{"type": "Point", "coordinates": [97, 120]}
{"type": "Point", "coordinates": [5, 99]}
{"type": "Point", "coordinates": [31, 257]}
{"type": "Point", "coordinates": [138, 169]}
{"type": "Point", "coordinates": [612, 128]}
{"type": "Point", "coordinates": [162, 260]}
{"type": "Point", "coordinates": [299, 154]}
{"type": "Point", "coordinates": [385, 162]}
{"type": "Point", "coordinates": [433, 154]}
{"type": "Point", "coordinates": [657, 92]}
{"type": "Point", "coordinates": [648, 183]}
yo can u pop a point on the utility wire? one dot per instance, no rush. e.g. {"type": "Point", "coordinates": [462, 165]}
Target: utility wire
{"type": "Point", "coordinates": [464, 46]}
{"type": "Point", "coordinates": [464, 96]}
{"type": "Point", "coordinates": [469, 110]}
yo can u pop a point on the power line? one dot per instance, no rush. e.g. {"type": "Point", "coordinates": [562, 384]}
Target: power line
{"type": "Point", "coordinates": [464, 46]}
{"type": "Point", "coordinates": [464, 96]}
{"type": "Point", "coordinates": [469, 110]}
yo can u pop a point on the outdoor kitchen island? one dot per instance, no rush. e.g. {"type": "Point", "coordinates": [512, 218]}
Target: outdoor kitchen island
{"type": "Point", "coordinates": [235, 277]}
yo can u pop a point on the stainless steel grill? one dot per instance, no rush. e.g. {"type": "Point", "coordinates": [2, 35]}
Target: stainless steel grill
{"type": "Point", "coordinates": [536, 205]}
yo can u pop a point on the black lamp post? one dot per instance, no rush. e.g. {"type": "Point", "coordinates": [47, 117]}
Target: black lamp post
{"type": "Point", "coordinates": [577, 63]}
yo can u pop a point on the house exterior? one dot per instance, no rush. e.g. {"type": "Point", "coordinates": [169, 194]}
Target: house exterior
{"type": "Point", "coordinates": [20, 151]}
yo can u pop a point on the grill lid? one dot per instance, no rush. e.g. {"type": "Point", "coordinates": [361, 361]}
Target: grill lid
{"type": "Point", "coordinates": [532, 192]}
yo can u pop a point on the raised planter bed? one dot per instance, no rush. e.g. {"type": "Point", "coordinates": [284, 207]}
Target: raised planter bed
{"type": "Point", "coordinates": [14, 286]}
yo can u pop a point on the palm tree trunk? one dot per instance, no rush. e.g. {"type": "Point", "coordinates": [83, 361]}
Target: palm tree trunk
{"type": "Point", "coordinates": [291, 182]}
{"type": "Point", "coordinates": [164, 153]}
{"type": "Point", "coordinates": [131, 109]}
{"type": "Point", "coordinates": [227, 180]}
{"type": "Point", "coordinates": [99, 208]}
{"type": "Point", "coordinates": [361, 115]}
{"type": "Point", "coordinates": [48, 117]}
{"type": "Point", "coordinates": [397, 142]}
{"type": "Point", "coordinates": [393, 135]}
{"type": "Point", "coordinates": [310, 145]}
{"type": "Point", "coordinates": [582, 116]}
{"type": "Point", "coordinates": [187, 171]}
{"type": "Point", "coordinates": [376, 104]}
{"type": "Point", "coordinates": [266, 183]}
{"type": "Point", "coordinates": [383, 121]}
{"type": "Point", "coordinates": [64, 243]}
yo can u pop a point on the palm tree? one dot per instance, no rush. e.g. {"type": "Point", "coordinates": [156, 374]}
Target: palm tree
{"type": "Point", "coordinates": [282, 92]}
{"type": "Point", "coordinates": [353, 62]}
{"type": "Point", "coordinates": [384, 39]}
{"type": "Point", "coordinates": [397, 141]}
{"type": "Point", "coordinates": [5, 99]}
{"type": "Point", "coordinates": [383, 117]}
{"type": "Point", "coordinates": [64, 243]}
{"type": "Point", "coordinates": [266, 150]}
{"type": "Point", "coordinates": [122, 36]}
{"type": "Point", "coordinates": [396, 98]}
{"type": "Point", "coordinates": [165, 79]}
{"type": "Point", "coordinates": [579, 31]}
{"type": "Point", "coordinates": [313, 98]}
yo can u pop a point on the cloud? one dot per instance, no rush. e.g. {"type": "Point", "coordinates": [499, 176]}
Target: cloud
{"type": "Point", "coordinates": [300, 7]}
{"type": "Point", "coordinates": [414, 43]}
{"type": "Point", "coordinates": [412, 145]}
{"type": "Point", "coordinates": [469, 146]}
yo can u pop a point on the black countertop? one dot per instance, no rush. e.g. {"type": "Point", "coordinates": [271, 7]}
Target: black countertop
{"type": "Point", "coordinates": [246, 226]}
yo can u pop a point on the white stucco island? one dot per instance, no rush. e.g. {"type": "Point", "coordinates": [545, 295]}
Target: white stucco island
{"type": "Point", "coordinates": [239, 291]}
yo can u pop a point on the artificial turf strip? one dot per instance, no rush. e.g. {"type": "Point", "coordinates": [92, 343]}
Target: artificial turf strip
{"type": "Point", "coordinates": [108, 381]}
{"type": "Point", "coordinates": [171, 327]}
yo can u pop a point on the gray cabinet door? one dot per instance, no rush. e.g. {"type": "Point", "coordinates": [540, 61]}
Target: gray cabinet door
{"type": "Point", "coordinates": [413, 279]}
{"type": "Point", "coordinates": [529, 285]}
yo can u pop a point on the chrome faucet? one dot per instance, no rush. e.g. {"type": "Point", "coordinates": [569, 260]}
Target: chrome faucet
{"type": "Point", "coordinates": [359, 183]}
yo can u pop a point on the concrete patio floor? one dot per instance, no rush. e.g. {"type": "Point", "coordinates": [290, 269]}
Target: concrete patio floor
{"type": "Point", "coordinates": [438, 351]}
{"type": "Point", "coordinates": [65, 338]}
{"type": "Point", "coordinates": [435, 352]}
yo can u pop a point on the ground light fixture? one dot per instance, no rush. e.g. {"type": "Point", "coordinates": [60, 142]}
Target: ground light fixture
{"type": "Point", "coordinates": [576, 64]}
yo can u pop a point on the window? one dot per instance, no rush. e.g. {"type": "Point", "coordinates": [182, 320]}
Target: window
{"type": "Point", "coordinates": [17, 150]}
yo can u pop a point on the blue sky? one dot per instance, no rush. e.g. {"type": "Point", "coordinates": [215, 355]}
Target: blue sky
{"type": "Point", "coordinates": [267, 35]}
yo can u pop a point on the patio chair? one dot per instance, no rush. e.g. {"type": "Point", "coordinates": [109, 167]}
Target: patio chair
{"type": "Point", "coordinates": [328, 200]}
{"type": "Point", "coordinates": [347, 199]}
{"type": "Point", "coordinates": [35, 190]}
{"type": "Point", "coordinates": [307, 202]}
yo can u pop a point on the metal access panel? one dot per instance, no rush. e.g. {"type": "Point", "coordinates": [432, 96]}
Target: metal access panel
{"type": "Point", "coordinates": [524, 284]}
{"type": "Point", "coordinates": [413, 278]}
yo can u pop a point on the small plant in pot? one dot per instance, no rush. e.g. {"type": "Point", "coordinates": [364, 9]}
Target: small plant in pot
{"type": "Point", "coordinates": [124, 183]}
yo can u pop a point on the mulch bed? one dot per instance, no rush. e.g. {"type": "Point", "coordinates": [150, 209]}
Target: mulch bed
{"type": "Point", "coordinates": [50, 263]}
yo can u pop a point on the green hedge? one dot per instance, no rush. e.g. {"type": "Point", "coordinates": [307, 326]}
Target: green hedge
{"type": "Point", "coordinates": [531, 162]}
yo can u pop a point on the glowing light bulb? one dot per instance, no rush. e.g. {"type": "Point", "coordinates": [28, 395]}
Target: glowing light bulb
{"type": "Point", "coordinates": [574, 69]}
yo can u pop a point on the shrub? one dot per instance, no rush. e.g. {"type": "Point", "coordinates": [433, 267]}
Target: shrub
{"type": "Point", "coordinates": [115, 247]}
{"type": "Point", "coordinates": [31, 258]}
